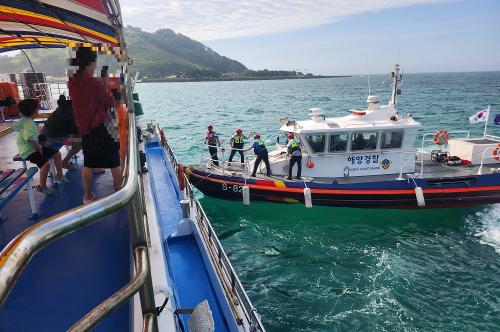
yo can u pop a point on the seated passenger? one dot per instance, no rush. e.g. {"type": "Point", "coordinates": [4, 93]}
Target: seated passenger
{"type": "Point", "coordinates": [337, 144]}
{"type": "Point", "coordinates": [359, 142]}
{"type": "Point", "coordinates": [30, 149]}
{"type": "Point", "coordinates": [60, 127]}
{"type": "Point", "coordinates": [372, 142]}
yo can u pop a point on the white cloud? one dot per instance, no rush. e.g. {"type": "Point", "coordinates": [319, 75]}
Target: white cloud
{"type": "Point", "coordinates": [220, 19]}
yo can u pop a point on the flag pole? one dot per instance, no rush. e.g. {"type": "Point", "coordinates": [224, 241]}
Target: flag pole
{"type": "Point", "coordinates": [486, 123]}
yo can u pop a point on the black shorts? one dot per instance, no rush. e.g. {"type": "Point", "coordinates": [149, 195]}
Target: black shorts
{"type": "Point", "coordinates": [100, 150]}
{"type": "Point", "coordinates": [41, 159]}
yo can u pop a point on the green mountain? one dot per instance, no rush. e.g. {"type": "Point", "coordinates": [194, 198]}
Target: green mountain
{"type": "Point", "coordinates": [165, 52]}
{"type": "Point", "coordinates": [158, 54]}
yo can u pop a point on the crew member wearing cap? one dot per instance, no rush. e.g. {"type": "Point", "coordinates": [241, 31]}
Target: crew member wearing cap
{"type": "Point", "coordinates": [212, 140]}
{"type": "Point", "coordinates": [237, 142]}
{"type": "Point", "coordinates": [260, 150]}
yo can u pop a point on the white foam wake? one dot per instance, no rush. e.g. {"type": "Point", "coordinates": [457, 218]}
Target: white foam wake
{"type": "Point", "coordinates": [489, 232]}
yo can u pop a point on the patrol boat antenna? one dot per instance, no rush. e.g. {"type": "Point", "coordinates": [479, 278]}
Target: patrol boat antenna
{"type": "Point", "coordinates": [397, 76]}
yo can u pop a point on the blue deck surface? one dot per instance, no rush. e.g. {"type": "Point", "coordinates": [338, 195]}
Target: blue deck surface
{"type": "Point", "coordinates": [72, 275]}
{"type": "Point", "coordinates": [187, 269]}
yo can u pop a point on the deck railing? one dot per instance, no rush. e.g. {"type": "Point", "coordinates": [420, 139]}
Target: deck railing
{"type": "Point", "coordinates": [238, 299]}
{"type": "Point", "coordinates": [17, 254]}
{"type": "Point", "coordinates": [449, 133]}
{"type": "Point", "coordinates": [223, 163]}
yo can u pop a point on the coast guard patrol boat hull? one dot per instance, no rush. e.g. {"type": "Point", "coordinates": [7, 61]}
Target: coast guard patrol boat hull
{"type": "Point", "coordinates": [366, 159]}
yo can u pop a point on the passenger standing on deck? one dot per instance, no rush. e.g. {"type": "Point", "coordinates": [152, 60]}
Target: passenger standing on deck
{"type": "Point", "coordinates": [260, 150]}
{"type": "Point", "coordinates": [212, 140]}
{"type": "Point", "coordinates": [237, 142]}
{"type": "Point", "coordinates": [92, 102]}
{"type": "Point", "coordinates": [295, 155]}
{"type": "Point", "coordinates": [30, 149]}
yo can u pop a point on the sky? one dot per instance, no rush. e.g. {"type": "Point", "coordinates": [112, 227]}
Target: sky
{"type": "Point", "coordinates": [335, 37]}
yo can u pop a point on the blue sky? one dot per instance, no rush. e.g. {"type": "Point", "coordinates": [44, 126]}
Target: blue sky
{"type": "Point", "coordinates": [336, 36]}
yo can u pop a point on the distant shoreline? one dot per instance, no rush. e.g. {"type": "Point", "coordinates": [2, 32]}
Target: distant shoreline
{"type": "Point", "coordinates": [157, 80]}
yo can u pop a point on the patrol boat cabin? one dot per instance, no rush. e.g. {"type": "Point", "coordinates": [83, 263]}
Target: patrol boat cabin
{"type": "Point", "coordinates": [366, 142]}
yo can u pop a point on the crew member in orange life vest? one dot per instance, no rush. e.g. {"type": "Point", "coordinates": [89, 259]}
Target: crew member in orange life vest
{"type": "Point", "coordinates": [212, 140]}
{"type": "Point", "coordinates": [260, 151]}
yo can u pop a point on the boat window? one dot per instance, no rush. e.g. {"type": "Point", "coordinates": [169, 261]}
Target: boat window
{"type": "Point", "coordinates": [317, 142]}
{"type": "Point", "coordinates": [392, 139]}
{"type": "Point", "coordinates": [364, 141]}
{"type": "Point", "coordinates": [338, 142]}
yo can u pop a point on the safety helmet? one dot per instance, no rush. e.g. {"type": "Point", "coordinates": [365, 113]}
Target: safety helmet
{"type": "Point", "coordinates": [210, 126]}
{"type": "Point", "coordinates": [256, 136]}
{"type": "Point", "coordinates": [239, 131]}
{"type": "Point", "coordinates": [291, 136]}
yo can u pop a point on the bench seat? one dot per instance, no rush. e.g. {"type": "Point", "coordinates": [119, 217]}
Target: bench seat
{"type": "Point", "coordinates": [13, 182]}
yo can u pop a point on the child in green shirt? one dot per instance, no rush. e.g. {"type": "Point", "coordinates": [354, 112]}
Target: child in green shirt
{"type": "Point", "coordinates": [30, 149]}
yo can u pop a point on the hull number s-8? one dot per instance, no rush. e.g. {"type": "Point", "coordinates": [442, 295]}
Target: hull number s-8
{"type": "Point", "coordinates": [232, 187]}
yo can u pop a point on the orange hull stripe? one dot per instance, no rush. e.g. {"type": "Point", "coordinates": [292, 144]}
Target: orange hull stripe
{"type": "Point", "coordinates": [353, 191]}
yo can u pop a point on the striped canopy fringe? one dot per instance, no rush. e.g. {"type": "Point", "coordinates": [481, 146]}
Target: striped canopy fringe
{"type": "Point", "coordinates": [57, 23]}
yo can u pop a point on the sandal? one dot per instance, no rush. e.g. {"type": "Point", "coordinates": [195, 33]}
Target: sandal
{"type": "Point", "coordinates": [88, 201]}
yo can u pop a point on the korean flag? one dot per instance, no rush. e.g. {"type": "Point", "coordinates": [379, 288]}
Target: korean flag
{"type": "Point", "coordinates": [480, 116]}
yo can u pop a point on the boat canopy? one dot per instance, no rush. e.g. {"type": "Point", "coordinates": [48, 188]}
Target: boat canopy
{"type": "Point", "coordinates": [58, 23]}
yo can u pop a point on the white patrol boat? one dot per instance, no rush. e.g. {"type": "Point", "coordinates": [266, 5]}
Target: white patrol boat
{"type": "Point", "coordinates": [366, 159]}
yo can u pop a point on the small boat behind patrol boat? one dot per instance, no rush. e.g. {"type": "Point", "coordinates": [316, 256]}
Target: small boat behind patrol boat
{"type": "Point", "coordinates": [366, 159]}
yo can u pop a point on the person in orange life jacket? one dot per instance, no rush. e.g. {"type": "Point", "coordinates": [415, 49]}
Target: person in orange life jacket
{"type": "Point", "coordinates": [260, 150]}
{"type": "Point", "coordinates": [295, 153]}
{"type": "Point", "coordinates": [237, 143]}
{"type": "Point", "coordinates": [212, 140]}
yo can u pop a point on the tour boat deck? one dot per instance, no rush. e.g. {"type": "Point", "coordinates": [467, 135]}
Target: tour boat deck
{"type": "Point", "coordinates": [68, 278]}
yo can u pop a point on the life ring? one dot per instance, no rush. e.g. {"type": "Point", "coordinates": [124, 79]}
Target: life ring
{"type": "Point", "coordinates": [309, 163]}
{"type": "Point", "coordinates": [496, 152]}
{"type": "Point", "coordinates": [162, 137]}
{"type": "Point", "coordinates": [180, 176]}
{"type": "Point", "coordinates": [441, 137]}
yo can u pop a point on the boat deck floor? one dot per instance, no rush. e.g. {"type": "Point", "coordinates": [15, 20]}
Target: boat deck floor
{"type": "Point", "coordinates": [432, 169]}
{"type": "Point", "coordinates": [187, 269]}
{"type": "Point", "coordinates": [72, 275]}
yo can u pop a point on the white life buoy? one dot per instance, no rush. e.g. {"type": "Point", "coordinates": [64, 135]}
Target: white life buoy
{"type": "Point", "coordinates": [307, 198]}
{"type": "Point", "coordinates": [246, 195]}
{"type": "Point", "coordinates": [419, 194]}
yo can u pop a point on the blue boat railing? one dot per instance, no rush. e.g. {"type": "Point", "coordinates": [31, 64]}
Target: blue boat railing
{"type": "Point", "coordinates": [241, 306]}
{"type": "Point", "coordinates": [17, 254]}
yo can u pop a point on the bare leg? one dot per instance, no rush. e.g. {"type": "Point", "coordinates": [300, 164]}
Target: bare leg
{"type": "Point", "coordinates": [44, 171]}
{"type": "Point", "coordinates": [87, 182]}
{"type": "Point", "coordinates": [117, 177]}
{"type": "Point", "coordinates": [58, 163]}
{"type": "Point", "coordinates": [74, 150]}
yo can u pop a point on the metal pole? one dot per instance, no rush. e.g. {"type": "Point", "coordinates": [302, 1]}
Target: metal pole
{"type": "Point", "coordinates": [486, 123]}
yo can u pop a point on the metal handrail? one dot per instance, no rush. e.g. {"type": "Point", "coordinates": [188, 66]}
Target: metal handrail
{"type": "Point", "coordinates": [491, 148]}
{"type": "Point", "coordinates": [105, 308]}
{"type": "Point", "coordinates": [19, 251]}
{"type": "Point", "coordinates": [449, 133]}
{"type": "Point", "coordinates": [221, 258]}
{"type": "Point", "coordinates": [405, 162]}
{"type": "Point", "coordinates": [222, 161]}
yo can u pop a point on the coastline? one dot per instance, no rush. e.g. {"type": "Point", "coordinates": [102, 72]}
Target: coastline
{"type": "Point", "coordinates": [157, 80]}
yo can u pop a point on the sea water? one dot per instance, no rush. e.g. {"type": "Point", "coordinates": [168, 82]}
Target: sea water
{"type": "Point", "coordinates": [346, 269]}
